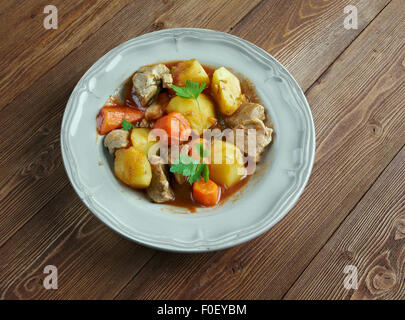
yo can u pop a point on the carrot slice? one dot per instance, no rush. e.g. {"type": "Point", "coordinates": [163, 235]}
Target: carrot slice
{"type": "Point", "coordinates": [206, 193]}
{"type": "Point", "coordinates": [177, 127]}
{"type": "Point", "coordinates": [110, 118]}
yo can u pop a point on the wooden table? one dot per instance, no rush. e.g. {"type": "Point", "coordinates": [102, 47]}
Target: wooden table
{"type": "Point", "coordinates": [351, 213]}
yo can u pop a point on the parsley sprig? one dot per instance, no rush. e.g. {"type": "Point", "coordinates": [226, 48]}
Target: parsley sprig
{"type": "Point", "coordinates": [193, 168]}
{"type": "Point", "coordinates": [126, 125]}
{"type": "Point", "coordinates": [191, 91]}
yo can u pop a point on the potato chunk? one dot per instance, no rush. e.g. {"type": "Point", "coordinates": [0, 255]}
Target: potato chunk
{"type": "Point", "coordinates": [226, 90]}
{"type": "Point", "coordinates": [189, 108]}
{"type": "Point", "coordinates": [190, 70]}
{"type": "Point", "coordinates": [131, 166]}
{"type": "Point", "coordinates": [226, 166]}
{"type": "Point", "coordinates": [140, 139]}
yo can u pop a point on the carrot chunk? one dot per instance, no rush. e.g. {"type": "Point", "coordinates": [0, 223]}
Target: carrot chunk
{"type": "Point", "coordinates": [177, 127]}
{"type": "Point", "coordinates": [206, 193]}
{"type": "Point", "coordinates": [110, 118]}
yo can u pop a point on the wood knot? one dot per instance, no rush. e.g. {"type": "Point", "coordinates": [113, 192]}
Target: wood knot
{"type": "Point", "coordinates": [31, 285]}
{"type": "Point", "coordinates": [347, 255]}
{"type": "Point", "coordinates": [380, 279]}
{"type": "Point", "coordinates": [375, 127]}
{"type": "Point", "coordinates": [236, 267]}
{"type": "Point", "coordinates": [158, 25]}
{"type": "Point", "coordinates": [44, 165]}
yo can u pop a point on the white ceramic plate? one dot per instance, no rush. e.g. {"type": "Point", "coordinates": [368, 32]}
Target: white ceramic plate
{"type": "Point", "coordinates": [271, 191]}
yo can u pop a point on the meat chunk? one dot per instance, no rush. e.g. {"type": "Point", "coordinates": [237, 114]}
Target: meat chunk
{"type": "Point", "coordinates": [257, 140]}
{"type": "Point", "coordinates": [144, 124]}
{"type": "Point", "coordinates": [250, 116]}
{"type": "Point", "coordinates": [159, 189]}
{"type": "Point", "coordinates": [183, 149]}
{"type": "Point", "coordinates": [148, 80]}
{"type": "Point", "coordinates": [116, 139]}
{"type": "Point", "coordinates": [246, 111]}
{"type": "Point", "coordinates": [154, 111]}
{"type": "Point", "coordinates": [157, 108]}
{"type": "Point", "coordinates": [167, 80]}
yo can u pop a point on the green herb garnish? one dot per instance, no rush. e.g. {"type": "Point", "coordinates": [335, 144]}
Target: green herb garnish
{"type": "Point", "coordinates": [191, 167]}
{"type": "Point", "coordinates": [191, 91]}
{"type": "Point", "coordinates": [126, 125]}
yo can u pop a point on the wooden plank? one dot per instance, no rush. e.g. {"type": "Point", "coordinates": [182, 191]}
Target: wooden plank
{"type": "Point", "coordinates": [34, 116]}
{"type": "Point", "coordinates": [215, 15]}
{"type": "Point", "coordinates": [57, 88]}
{"type": "Point", "coordinates": [31, 176]}
{"type": "Point", "coordinates": [360, 122]}
{"type": "Point", "coordinates": [38, 49]}
{"type": "Point", "coordinates": [372, 238]}
{"type": "Point", "coordinates": [67, 235]}
{"type": "Point", "coordinates": [305, 35]}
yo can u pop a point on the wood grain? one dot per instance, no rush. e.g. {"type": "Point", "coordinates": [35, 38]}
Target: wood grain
{"type": "Point", "coordinates": [305, 35]}
{"type": "Point", "coordinates": [216, 15]}
{"type": "Point", "coordinates": [372, 238]}
{"type": "Point", "coordinates": [38, 49]}
{"type": "Point", "coordinates": [359, 115]}
{"type": "Point", "coordinates": [45, 223]}
{"type": "Point", "coordinates": [63, 239]}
